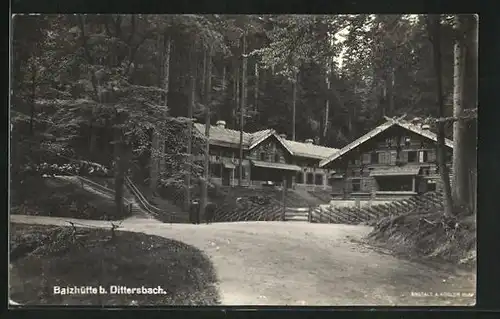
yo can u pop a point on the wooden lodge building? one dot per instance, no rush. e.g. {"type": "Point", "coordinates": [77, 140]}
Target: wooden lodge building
{"type": "Point", "coordinates": [267, 156]}
{"type": "Point", "coordinates": [397, 158]}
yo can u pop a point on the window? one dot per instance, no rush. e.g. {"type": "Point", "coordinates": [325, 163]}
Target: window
{"type": "Point", "coordinates": [300, 178]}
{"type": "Point", "coordinates": [215, 170]}
{"type": "Point", "coordinates": [422, 156]}
{"type": "Point", "coordinates": [431, 187]}
{"type": "Point", "coordinates": [277, 158]}
{"type": "Point", "coordinates": [392, 158]}
{"type": "Point", "coordinates": [412, 157]}
{"type": "Point", "coordinates": [395, 183]}
{"type": "Point", "coordinates": [374, 158]}
{"type": "Point", "coordinates": [384, 158]}
{"type": "Point", "coordinates": [431, 156]}
{"type": "Point", "coordinates": [426, 171]}
{"type": "Point", "coordinates": [310, 178]}
{"type": "Point", "coordinates": [353, 173]}
{"type": "Point", "coordinates": [262, 156]}
{"type": "Point", "coordinates": [356, 185]}
{"type": "Point", "coordinates": [318, 179]}
{"type": "Point", "coordinates": [388, 142]}
{"type": "Point", "coordinates": [407, 141]}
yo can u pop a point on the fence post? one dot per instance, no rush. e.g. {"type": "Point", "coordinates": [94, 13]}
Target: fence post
{"type": "Point", "coordinates": [283, 217]}
{"type": "Point", "coordinates": [309, 215]}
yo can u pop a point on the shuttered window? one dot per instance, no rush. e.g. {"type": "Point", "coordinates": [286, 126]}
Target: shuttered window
{"type": "Point", "coordinates": [393, 157]}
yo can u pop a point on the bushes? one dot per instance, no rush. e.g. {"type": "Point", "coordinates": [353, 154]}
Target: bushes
{"type": "Point", "coordinates": [54, 197]}
{"type": "Point", "coordinates": [75, 168]}
{"type": "Point", "coordinates": [428, 233]}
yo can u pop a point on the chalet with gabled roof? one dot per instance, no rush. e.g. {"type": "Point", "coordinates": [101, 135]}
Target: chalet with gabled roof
{"type": "Point", "coordinates": [267, 156]}
{"type": "Point", "coordinates": [397, 158]}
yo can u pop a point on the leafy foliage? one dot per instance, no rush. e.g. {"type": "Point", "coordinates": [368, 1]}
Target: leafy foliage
{"type": "Point", "coordinates": [92, 87]}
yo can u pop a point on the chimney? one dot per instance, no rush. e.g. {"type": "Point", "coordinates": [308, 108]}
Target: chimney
{"type": "Point", "coordinates": [425, 127]}
{"type": "Point", "coordinates": [283, 136]}
{"type": "Point", "coordinates": [309, 141]}
{"type": "Point", "coordinates": [221, 124]}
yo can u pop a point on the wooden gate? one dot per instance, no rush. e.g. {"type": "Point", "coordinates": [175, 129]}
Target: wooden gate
{"type": "Point", "coordinates": [302, 214]}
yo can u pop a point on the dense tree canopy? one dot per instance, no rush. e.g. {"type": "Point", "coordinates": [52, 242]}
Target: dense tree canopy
{"type": "Point", "coordinates": [84, 82]}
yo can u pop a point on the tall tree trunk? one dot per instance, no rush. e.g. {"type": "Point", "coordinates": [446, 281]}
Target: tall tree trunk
{"type": "Point", "coordinates": [390, 93]}
{"type": "Point", "coordinates": [237, 94]}
{"type": "Point", "coordinates": [242, 107]}
{"type": "Point", "coordinates": [434, 29]}
{"type": "Point", "coordinates": [33, 100]}
{"type": "Point", "coordinates": [460, 191]}
{"type": "Point", "coordinates": [156, 138]}
{"type": "Point", "coordinates": [119, 169]}
{"type": "Point", "coordinates": [203, 75]}
{"type": "Point", "coordinates": [223, 79]}
{"type": "Point", "coordinates": [206, 166]}
{"type": "Point", "coordinates": [166, 72]}
{"type": "Point", "coordinates": [327, 109]}
{"type": "Point", "coordinates": [472, 86]}
{"type": "Point", "coordinates": [189, 161]}
{"type": "Point", "coordinates": [294, 101]}
{"type": "Point", "coordinates": [256, 87]}
{"type": "Point", "coordinates": [166, 86]}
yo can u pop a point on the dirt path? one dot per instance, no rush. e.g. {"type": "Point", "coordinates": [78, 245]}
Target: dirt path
{"type": "Point", "coordinates": [295, 263]}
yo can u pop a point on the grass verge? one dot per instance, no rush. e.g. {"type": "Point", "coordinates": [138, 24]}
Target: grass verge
{"type": "Point", "coordinates": [43, 257]}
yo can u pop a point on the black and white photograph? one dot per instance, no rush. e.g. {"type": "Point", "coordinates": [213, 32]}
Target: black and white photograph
{"type": "Point", "coordinates": [243, 160]}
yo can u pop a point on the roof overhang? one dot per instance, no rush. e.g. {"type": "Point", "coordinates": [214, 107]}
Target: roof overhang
{"type": "Point", "coordinates": [376, 131]}
{"type": "Point", "coordinates": [396, 171]}
{"type": "Point", "coordinates": [279, 166]}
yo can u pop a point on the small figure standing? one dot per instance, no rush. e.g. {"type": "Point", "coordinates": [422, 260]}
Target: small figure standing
{"type": "Point", "coordinates": [194, 215]}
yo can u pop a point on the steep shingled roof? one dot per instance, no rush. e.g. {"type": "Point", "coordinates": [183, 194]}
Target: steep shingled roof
{"type": "Point", "coordinates": [231, 138]}
{"type": "Point", "coordinates": [310, 150]}
{"type": "Point", "coordinates": [379, 129]}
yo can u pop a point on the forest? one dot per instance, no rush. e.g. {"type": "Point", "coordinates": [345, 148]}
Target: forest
{"type": "Point", "coordinates": [81, 83]}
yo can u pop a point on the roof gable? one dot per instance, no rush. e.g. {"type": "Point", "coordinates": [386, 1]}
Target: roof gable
{"type": "Point", "coordinates": [382, 128]}
{"type": "Point", "coordinates": [231, 138]}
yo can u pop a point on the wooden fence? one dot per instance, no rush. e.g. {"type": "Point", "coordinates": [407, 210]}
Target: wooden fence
{"type": "Point", "coordinates": [297, 214]}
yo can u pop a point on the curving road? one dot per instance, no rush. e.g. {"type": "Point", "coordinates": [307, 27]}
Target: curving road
{"type": "Point", "coordinates": [295, 263]}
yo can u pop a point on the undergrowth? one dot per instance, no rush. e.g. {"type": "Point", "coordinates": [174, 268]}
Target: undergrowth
{"type": "Point", "coordinates": [43, 257]}
{"type": "Point", "coordinates": [430, 234]}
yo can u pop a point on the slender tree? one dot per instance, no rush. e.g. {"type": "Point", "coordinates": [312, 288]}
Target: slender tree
{"type": "Point", "coordinates": [242, 107]}
{"type": "Point", "coordinates": [192, 101]}
{"type": "Point", "coordinates": [434, 29]}
{"type": "Point", "coordinates": [207, 102]}
{"type": "Point", "coordinates": [460, 192]}
{"type": "Point", "coordinates": [294, 103]}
